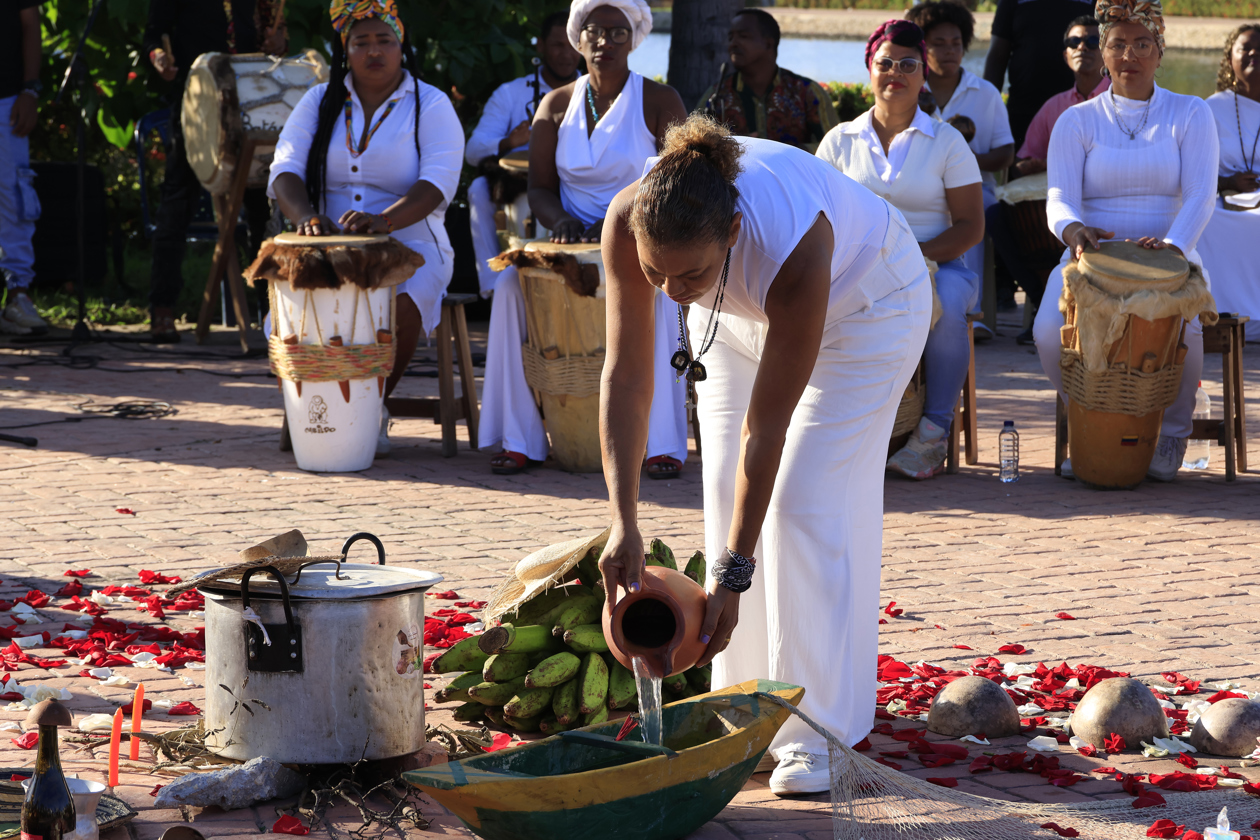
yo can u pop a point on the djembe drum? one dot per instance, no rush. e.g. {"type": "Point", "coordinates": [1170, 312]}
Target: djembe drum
{"type": "Point", "coordinates": [1122, 354]}
{"type": "Point", "coordinates": [231, 97]}
{"type": "Point", "coordinates": [332, 339]}
{"type": "Point", "coordinates": [564, 354]}
{"type": "Point", "coordinates": [1024, 210]}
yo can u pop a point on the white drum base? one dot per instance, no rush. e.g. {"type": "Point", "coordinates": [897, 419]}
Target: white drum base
{"type": "Point", "coordinates": [328, 433]}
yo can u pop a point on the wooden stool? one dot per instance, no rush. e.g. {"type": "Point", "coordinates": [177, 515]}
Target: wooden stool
{"type": "Point", "coordinates": [446, 409]}
{"type": "Point", "coordinates": [1225, 337]}
{"type": "Point", "coordinates": [965, 408]}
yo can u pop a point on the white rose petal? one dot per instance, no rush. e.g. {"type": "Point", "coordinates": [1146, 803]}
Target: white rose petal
{"type": "Point", "coordinates": [102, 599]}
{"type": "Point", "coordinates": [1231, 782]}
{"type": "Point", "coordinates": [1024, 681]}
{"type": "Point", "coordinates": [10, 726]}
{"type": "Point", "coordinates": [1227, 685]}
{"type": "Point", "coordinates": [1072, 683]}
{"type": "Point", "coordinates": [1165, 704]}
{"type": "Point", "coordinates": [101, 673]}
{"type": "Point", "coordinates": [1207, 771]}
{"type": "Point", "coordinates": [1153, 752]}
{"type": "Point", "coordinates": [163, 705]}
{"type": "Point", "coordinates": [116, 679]}
{"type": "Point", "coordinates": [1174, 745]}
{"type": "Point", "coordinates": [21, 608]}
{"type": "Point", "coordinates": [973, 739]}
{"type": "Point", "coordinates": [1043, 743]}
{"type": "Point", "coordinates": [29, 618]}
{"type": "Point", "coordinates": [475, 627]}
{"type": "Point", "coordinates": [16, 706]}
{"type": "Point", "coordinates": [74, 634]}
{"type": "Point", "coordinates": [29, 641]}
{"type": "Point", "coordinates": [1076, 743]}
{"type": "Point", "coordinates": [96, 723]}
{"type": "Point", "coordinates": [1056, 722]}
{"type": "Point", "coordinates": [187, 680]}
{"type": "Point", "coordinates": [195, 666]}
{"type": "Point", "coordinates": [1030, 710]}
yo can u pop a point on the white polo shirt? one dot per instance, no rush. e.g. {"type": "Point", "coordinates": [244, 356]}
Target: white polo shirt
{"type": "Point", "coordinates": [511, 104]}
{"type": "Point", "coordinates": [981, 101]}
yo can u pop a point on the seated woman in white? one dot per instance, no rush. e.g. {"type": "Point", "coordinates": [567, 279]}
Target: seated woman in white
{"type": "Point", "coordinates": [1139, 163]}
{"type": "Point", "coordinates": [948, 28]}
{"type": "Point", "coordinates": [925, 169]}
{"type": "Point", "coordinates": [1236, 105]}
{"type": "Point", "coordinates": [379, 151]}
{"type": "Point", "coordinates": [590, 139]}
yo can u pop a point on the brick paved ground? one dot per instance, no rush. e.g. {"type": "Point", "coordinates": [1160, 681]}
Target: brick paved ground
{"type": "Point", "coordinates": [1161, 578]}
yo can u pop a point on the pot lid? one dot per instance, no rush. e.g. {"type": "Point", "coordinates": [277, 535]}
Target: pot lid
{"type": "Point", "coordinates": [322, 581]}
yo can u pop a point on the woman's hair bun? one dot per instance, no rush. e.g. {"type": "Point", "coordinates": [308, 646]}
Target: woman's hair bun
{"type": "Point", "coordinates": [705, 136]}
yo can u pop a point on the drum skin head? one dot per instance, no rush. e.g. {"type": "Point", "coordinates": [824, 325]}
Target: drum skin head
{"type": "Point", "coordinates": [556, 247]}
{"type": "Point", "coordinates": [1123, 267]}
{"type": "Point", "coordinates": [346, 240]}
{"type": "Point", "coordinates": [515, 162]}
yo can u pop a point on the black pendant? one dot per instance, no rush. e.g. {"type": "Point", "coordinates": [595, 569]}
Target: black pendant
{"type": "Point", "coordinates": [680, 361]}
{"type": "Point", "coordinates": [697, 373]}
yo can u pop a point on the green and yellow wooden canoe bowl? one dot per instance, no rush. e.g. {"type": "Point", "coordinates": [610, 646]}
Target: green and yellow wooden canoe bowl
{"type": "Point", "coordinates": [583, 784]}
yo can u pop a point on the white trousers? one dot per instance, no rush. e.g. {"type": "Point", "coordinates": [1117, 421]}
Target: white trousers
{"type": "Point", "coordinates": [485, 237]}
{"type": "Point", "coordinates": [811, 616]}
{"type": "Point", "coordinates": [1178, 419]}
{"type": "Point", "coordinates": [509, 416]}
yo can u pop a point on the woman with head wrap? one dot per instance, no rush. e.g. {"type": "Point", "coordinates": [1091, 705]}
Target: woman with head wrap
{"type": "Point", "coordinates": [1236, 106]}
{"type": "Point", "coordinates": [1138, 162]}
{"type": "Point", "coordinates": [589, 140]}
{"type": "Point", "coordinates": [924, 168]}
{"type": "Point", "coordinates": [376, 150]}
{"type": "Point", "coordinates": [810, 304]}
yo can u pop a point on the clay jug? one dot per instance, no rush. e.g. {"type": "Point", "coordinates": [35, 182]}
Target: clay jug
{"type": "Point", "coordinates": [660, 623]}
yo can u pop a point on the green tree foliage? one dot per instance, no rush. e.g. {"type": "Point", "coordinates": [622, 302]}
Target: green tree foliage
{"type": "Point", "coordinates": [467, 48]}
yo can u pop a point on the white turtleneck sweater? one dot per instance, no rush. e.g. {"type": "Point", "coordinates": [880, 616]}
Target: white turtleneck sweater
{"type": "Point", "coordinates": [1161, 183]}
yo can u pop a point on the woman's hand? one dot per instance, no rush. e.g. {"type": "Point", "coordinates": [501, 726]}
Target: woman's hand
{"type": "Point", "coordinates": [568, 231]}
{"type": "Point", "coordinates": [622, 561]}
{"type": "Point", "coordinates": [164, 63]}
{"type": "Point", "coordinates": [1078, 236]}
{"type": "Point", "coordinates": [356, 222]}
{"type": "Point", "coordinates": [1154, 243]}
{"type": "Point", "coordinates": [594, 232]}
{"type": "Point", "coordinates": [721, 614]}
{"type": "Point", "coordinates": [1243, 182]}
{"type": "Point", "coordinates": [317, 224]}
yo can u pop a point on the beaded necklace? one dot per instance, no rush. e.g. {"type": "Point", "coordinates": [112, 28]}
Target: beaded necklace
{"type": "Point", "coordinates": [351, 146]}
{"type": "Point", "coordinates": [681, 361]}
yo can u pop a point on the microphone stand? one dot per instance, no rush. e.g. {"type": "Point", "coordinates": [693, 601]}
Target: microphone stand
{"type": "Point", "coordinates": [537, 85]}
{"type": "Point", "coordinates": [77, 74]}
{"type": "Point", "coordinates": [717, 91]}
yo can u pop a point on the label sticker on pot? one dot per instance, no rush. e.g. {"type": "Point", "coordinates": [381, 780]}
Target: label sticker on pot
{"type": "Point", "coordinates": [408, 655]}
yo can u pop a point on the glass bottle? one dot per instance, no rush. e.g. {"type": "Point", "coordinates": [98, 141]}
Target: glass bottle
{"type": "Point", "coordinates": [48, 809]}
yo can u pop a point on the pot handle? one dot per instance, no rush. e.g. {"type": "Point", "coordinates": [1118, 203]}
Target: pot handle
{"type": "Point", "coordinates": [372, 538]}
{"type": "Point", "coordinates": [284, 592]}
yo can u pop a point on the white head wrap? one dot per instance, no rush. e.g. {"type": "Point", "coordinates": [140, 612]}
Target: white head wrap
{"type": "Point", "coordinates": [636, 11]}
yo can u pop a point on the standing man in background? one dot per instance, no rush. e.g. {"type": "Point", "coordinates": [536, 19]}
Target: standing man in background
{"type": "Point", "coordinates": [194, 27]}
{"type": "Point", "coordinates": [19, 208]}
{"type": "Point", "coordinates": [1027, 48]}
{"type": "Point", "coordinates": [762, 99]}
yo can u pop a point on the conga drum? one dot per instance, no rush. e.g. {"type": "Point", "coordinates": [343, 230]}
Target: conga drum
{"type": "Point", "coordinates": [332, 339]}
{"type": "Point", "coordinates": [231, 97]}
{"type": "Point", "coordinates": [1122, 354]}
{"type": "Point", "coordinates": [1024, 210]}
{"type": "Point", "coordinates": [564, 354]}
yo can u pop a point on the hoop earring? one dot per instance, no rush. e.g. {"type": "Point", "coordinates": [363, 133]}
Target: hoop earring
{"type": "Point", "coordinates": [1106, 72]}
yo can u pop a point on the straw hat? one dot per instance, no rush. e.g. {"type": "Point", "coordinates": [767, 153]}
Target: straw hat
{"type": "Point", "coordinates": [540, 571]}
{"type": "Point", "coordinates": [286, 552]}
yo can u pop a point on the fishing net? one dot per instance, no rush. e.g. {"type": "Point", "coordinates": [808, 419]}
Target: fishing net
{"type": "Point", "coordinates": [872, 802]}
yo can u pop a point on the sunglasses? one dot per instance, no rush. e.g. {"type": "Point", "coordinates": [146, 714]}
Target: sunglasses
{"type": "Point", "coordinates": [905, 66]}
{"type": "Point", "coordinates": [616, 34]}
{"type": "Point", "coordinates": [1090, 42]}
{"type": "Point", "coordinates": [1141, 49]}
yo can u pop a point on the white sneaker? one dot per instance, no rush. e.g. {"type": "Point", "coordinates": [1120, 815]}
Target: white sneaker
{"type": "Point", "coordinates": [800, 772]}
{"type": "Point", "coordinates": [382, 439]}
{"type": "Point", "coordinates": [1169, 453]}
{"type": "Point", "coordinates": [1065, 470]}
{"type": "Point", "coordinates": [21, 311]}
{"type": "Point", "coordinates": [8, 327]}
{"type": "Point", "coordinates": [923, 456]}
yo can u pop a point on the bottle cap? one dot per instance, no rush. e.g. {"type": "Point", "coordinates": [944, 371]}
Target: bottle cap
{"type": "Point", "coordinates": [1009, 424]}
{"type": "Point", "coordinates": [49, 712]}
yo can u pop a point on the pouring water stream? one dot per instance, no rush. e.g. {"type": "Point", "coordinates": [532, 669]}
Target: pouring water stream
{"type": "Point", "coordinates": [649, 687]}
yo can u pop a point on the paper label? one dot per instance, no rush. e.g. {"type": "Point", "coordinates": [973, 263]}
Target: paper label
{"type": "Point", "coordinates": [407, 652]}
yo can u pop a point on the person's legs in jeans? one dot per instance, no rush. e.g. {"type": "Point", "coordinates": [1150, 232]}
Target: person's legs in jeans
{"type": "Point", "coordinates": [18, 210]}
{"type": "Point", "coordinates": [947, 354]}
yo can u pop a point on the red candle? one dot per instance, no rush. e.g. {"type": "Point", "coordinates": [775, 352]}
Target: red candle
{"type": "Point", "coordinates": [115, 738]}
{"type": "Point", "coordinates": [137, 717]}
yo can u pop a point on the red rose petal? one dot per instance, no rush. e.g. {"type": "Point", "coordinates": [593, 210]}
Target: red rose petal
{"type": "Point", "coordinates": [1165, 828]}
{"type": "Point", "coordinates": [448, 595]}
{"type": "Point", "coordinates": [894, 765]}
{"type": "Point", "coordinates": [155, 790]}
{"type": "Point", "coordinates": [1215, 698]}
{"type": "Point", "coordinates": [962, 647]}
{"type": "Point", "coordinates": [290, 825]}
{"type": "Point", "coordinates": [1015, 649]}
{"type": "Point", "coordinates": [1149, 800]}
{"type": "Point", "coordinates": [1065, 617]}
{"type": "Point", "coordinates": [27, 741]}
{"type": "Point", "coordinates": [1114, 743]}
{"type": "Point", "coordinates": [184, 708]}
{"type": "Point", "coordinates": [863, 745]}
{"type": "Point", "coordinates": [1187, 760]}
{"type": "Point", "coordinates": [1191, 835]}
{"type": "Point", "coordinates": [77, 572]}
{"type": "Point", "coordinates": [500, 741]}
{"type": "Point", "coordinates": [1089, 750]}
{"type": "Point", "coordinates": [1061, 831]}
{"type": "Point", "coordinates": [127, 511]}
{"type": "Point", "coordinates": [949, 783]}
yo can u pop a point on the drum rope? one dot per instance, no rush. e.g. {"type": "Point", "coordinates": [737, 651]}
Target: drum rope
{"type": "Point", "coordinates": [323, 362]}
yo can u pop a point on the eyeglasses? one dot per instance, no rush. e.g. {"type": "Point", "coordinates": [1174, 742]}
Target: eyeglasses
{"type": "Point", "coordinates": [1090, 42]}
{"type": "Point", "coordinates": [1141, 49]}
{"type": "Point", "coordinates": [905, 66]}
{"type": "Point", "coordinates": [616, 34]}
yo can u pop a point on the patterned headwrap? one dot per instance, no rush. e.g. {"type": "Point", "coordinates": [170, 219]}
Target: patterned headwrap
{"type": "Point", "coordinates": [346, 12]}
{"type": "Point", "coordinates": [890, 29]}
{"type": "Point", "coordinates": [1148, 13]}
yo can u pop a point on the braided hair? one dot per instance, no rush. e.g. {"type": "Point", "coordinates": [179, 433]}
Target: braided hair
{"type": "Point", "coordinates": [330, 110]}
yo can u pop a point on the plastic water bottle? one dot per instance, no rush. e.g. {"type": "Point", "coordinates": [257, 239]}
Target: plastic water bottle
{"type": "Point", "coordinates": [1008, 449]}
{"type": "Point", "coordinates": [1198, 452]}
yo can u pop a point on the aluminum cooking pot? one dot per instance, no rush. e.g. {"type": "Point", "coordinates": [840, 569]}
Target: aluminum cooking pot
{"type": "Point", "coordinates": [324, 669]}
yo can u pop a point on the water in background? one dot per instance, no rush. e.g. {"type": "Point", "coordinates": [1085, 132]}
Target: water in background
{"type": "Point", "coordinates": [826, 60]}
